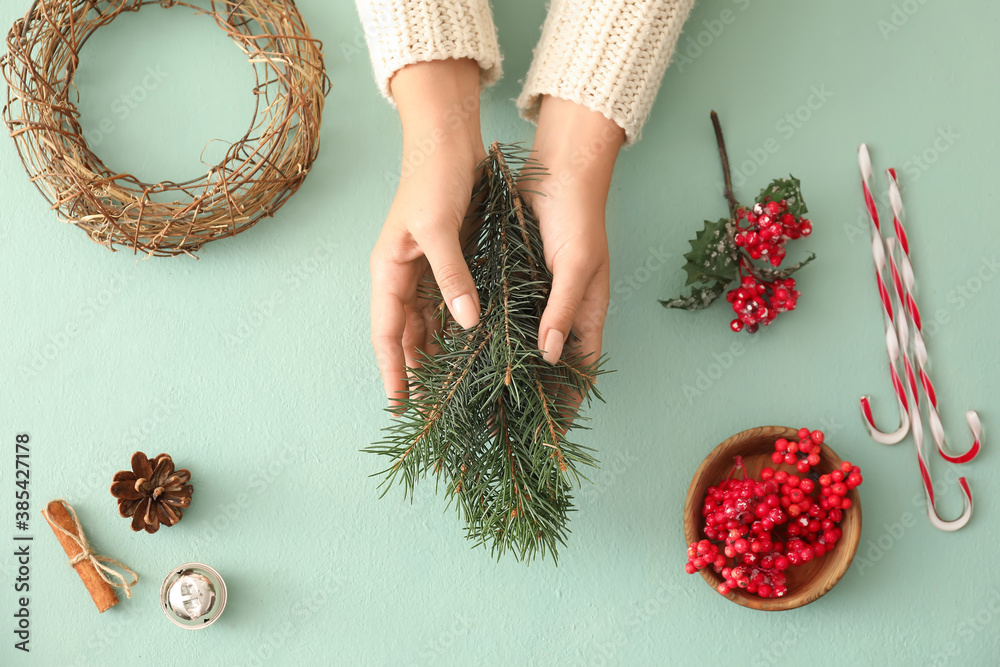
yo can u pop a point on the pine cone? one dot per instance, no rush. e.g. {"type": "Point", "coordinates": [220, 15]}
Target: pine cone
{"type": "Point", "coordinates": [152, 493]}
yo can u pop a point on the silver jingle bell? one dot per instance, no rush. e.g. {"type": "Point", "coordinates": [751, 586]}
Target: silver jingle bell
{"type": "Point", "coordinates": [193, 596]}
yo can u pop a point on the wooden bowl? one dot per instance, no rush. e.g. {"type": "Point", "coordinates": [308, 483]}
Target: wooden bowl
{"type": "Point", "coordinates": [806, 582]}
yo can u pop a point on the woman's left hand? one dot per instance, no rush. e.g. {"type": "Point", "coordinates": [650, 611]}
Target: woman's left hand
{"type": "Point", "coordinates": [578, 148]}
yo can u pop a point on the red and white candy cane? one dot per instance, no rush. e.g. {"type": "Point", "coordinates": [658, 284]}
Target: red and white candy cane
{"type": "Point", "coordinates": [891, 345]}
{"type": "Point", "coordinates": [905, 294]}
{"type": "Point", "coordinates": [918, 428]}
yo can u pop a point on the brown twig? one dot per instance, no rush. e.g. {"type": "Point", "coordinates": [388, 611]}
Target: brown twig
{"type": "Point", "coordinates": [551, 424]}
{"type": "Point", "coordinates": [505, 280]}
{"type": "Point", "coordinates": [497, 153]}
{"type": "Point", "coordinates": [258, 174]}
{"type": "Point", "coordinates": [719, 139]}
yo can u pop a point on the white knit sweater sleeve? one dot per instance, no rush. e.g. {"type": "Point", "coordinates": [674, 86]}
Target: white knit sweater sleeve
{"type": "Point", "coordinates": [403, 32]}
{"type": "Point", "coordinates": [608, 55]}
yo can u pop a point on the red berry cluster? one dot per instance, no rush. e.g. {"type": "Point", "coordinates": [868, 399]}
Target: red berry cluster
{"type": "Point", "coordinates": [758, 302]}
{"type": "Point", "coordinates": [762, 233]}
{"type": "Point", "coordinates": [764, 230]}
{"type": "Point", "coordinates": [766, 526]}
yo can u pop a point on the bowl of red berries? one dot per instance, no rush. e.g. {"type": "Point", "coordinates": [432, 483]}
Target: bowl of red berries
{"type": "Point", "coordinates": [773, 518]}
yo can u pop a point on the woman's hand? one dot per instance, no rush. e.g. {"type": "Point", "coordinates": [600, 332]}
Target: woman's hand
{"type": "Point", "coordinates": [442, 145]}
{"type": "Point", "coordinates": [578, 148]}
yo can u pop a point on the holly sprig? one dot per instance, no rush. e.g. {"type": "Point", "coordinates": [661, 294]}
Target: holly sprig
{"type": "Point", "coordinates": [734, 249]}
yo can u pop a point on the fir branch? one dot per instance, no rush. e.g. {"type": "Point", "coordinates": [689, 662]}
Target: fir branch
{"type": "Point", "coordinates": [486, 415]}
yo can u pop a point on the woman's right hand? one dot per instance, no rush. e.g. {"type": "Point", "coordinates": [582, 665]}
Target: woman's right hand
{"type": "Point", "coordinates": [438, 105]}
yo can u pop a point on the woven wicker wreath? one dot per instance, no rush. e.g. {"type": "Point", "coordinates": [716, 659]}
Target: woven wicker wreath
{"type": "Point", "coordinates": [255, 178]}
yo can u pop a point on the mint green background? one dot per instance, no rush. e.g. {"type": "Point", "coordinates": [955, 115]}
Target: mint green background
{"type": "Point", "coordinates": [252, 367]}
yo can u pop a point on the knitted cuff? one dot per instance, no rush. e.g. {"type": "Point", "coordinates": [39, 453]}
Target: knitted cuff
{"type": "Point", "coordinates": [608, 55]}
{"type": "Point", "coordinates": [403, 32]}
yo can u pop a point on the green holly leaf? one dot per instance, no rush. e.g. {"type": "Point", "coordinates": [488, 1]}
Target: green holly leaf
{"type": "Point", "coordinates": [700, 297]}
{"type": "Point", "coordinates": [713, 255]}
{"type": "Point", "coordinates": [770, 275]}
{"type": "Point", "coordinates": [788, 189]}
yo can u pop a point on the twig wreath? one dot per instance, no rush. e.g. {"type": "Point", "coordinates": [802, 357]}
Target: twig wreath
{"type": "Point", "coordinates": [256, 177]}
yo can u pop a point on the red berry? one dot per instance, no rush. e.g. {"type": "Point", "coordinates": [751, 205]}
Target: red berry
{"type": "Point", "coordinates": [757, 528]}
{"type": "Point", "coordinates": [804, 433]}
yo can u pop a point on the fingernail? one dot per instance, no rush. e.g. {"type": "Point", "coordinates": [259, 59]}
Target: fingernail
{"type": "Point", "coordinates": [393, 404]}
{"type": "Point", "coordinates": [463, 309]}
{"type": "Point", "coordinates": [553, 346]}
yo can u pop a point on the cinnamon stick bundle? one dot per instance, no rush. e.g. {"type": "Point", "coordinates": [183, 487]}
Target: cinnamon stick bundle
{"type": "Point", "coordinates": [100, 590]}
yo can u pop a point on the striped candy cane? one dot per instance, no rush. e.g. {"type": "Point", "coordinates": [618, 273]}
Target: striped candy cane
{"type": "Point", "coordinates": [918, 429]}
{"type": "Point", "coordinates": [892, 347]}
{"type": "Point", "coordinates": [905, 292]}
